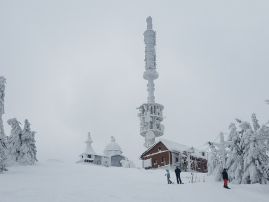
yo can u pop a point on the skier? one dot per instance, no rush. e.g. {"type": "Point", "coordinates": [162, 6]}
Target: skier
{"type": "Point", "coordinates": [178, 171]}
{"type": "Point", "coordinates": [225, 178]}
{"type": "Point", "coordinates": [168, 177]}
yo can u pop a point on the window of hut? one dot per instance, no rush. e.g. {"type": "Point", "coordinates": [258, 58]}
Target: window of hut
{"type": "Point", "coordinates": [162, 159]}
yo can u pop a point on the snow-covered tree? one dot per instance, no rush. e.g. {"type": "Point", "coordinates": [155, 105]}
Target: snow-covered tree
{"type": "Point", "coordinates": [3, 155]}
{"type": "Point", "coordinates": [14, 140]}
{"type": "Point", "coordinates": [2, 100]}
{"type": "Point", "coordinates": [256, 125]}
{"type": "Point", "coordinates": [247, 158]}
{"type": "Point", "coordinates": [255, 158]}
{"type": "Point", "coordinates": [19, 146]}
{"type": "Point", "coordinates": [264, 132]}
{"type": "Point", "coordinates": [3, 147]}
{"type": "Point", "coordinates": [27, 154]}
{"type": "Point", "coordinates": [214, 162]}
{"type": "Point", "coordinates": [235, 160]}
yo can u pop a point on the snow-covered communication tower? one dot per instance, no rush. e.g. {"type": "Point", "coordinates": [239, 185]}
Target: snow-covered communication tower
{"type": "Point", "coordinates": [150, 113]}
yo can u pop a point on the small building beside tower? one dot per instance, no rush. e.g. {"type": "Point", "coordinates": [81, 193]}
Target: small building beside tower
{"type": "Point", "coordinates": [113, 155]}
{"type": "Point", "coordinates": [166, 153]}
{"type": "Point", "coordinates": [89, 156]}
{"type": "Point", "coordinates": [114, 152]}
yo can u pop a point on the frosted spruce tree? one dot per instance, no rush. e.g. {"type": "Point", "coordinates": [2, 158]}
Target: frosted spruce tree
{"type": "Point", "coordinates": [3, 155]}
{"type": "Point", "coordinates": [256, 161]}
{"type": "Point", "coordinates": [3, 147]}
{"type": "Point", "coordinates": [235, 158]}
{"type": "Point", "coordinates": [14, 140]}
{"type": "Point", "coordinates": [27, 155]}
{"type": "Point", "coordinates": [247, 159]}
{"type": "Point", "coordinates": [255, 122]}
{"type": "Point", "coordinates": [2, 100]}
{"type": "Point", "coordinates": [214, 162]}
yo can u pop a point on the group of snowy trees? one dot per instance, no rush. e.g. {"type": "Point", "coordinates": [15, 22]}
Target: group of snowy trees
{"type": "Point", "coordinates": [21, 143]}
{"type": "Point", "coordinates": [19, 146]}
{"type": "Point", "coordinates": [244, 153]}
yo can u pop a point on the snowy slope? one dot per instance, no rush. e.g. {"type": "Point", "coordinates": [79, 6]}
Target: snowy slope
{"type": "Point", "coordinates": [64, 182]}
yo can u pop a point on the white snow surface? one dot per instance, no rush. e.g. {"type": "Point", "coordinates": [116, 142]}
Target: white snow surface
{"type": "Point", "coordinates": [57, 181]}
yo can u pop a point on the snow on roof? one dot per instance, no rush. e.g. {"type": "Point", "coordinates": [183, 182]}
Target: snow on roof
{"type": "Point", "coordinates": [176, 147]}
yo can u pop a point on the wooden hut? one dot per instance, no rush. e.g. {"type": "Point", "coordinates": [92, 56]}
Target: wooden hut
{"type": "Point", "coordinates": [166, 153]}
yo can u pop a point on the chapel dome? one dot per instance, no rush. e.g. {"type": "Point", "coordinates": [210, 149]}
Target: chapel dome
{"type": "Point", "coordinates": [112, 148]}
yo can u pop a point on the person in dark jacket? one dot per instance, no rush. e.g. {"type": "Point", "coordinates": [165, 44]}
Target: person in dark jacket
{"type": "Point", "coordinates": [225, 178]}
{"type": "Point", "coordinates": [178, 171]}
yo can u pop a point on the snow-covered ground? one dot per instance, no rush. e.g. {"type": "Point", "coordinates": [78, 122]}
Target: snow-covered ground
{"type": "Point", "coordinates": [59, 181]}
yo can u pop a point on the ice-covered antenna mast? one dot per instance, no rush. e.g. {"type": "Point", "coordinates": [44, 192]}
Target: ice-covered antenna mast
{"type": "Point", "coordinates": [150, 73]}
{"type": "Point", "coordinates": [150, 113]}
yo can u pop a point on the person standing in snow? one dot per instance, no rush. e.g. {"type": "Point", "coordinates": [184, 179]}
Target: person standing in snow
{"type": "Point", "coordinates": [168, 177]}
{"type": "Point", "coordinates": [178, 171]}
{"type": "Point", "coordinates": [225, 178]}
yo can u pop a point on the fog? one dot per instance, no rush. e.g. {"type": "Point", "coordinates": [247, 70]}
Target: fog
{"type": "Point", "coordinates": [77, 66]}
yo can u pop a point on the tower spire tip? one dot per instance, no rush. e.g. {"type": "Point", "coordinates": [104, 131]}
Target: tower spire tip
{"type": "Point", "coordinates": [149, 22]}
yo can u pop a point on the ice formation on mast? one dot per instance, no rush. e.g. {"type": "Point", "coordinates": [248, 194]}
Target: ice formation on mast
{"type": "Point", "coordinates": [150, 113]}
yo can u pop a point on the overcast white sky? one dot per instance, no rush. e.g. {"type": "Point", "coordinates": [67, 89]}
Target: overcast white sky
{"type": "Point", "coordinates": [77, 66]}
